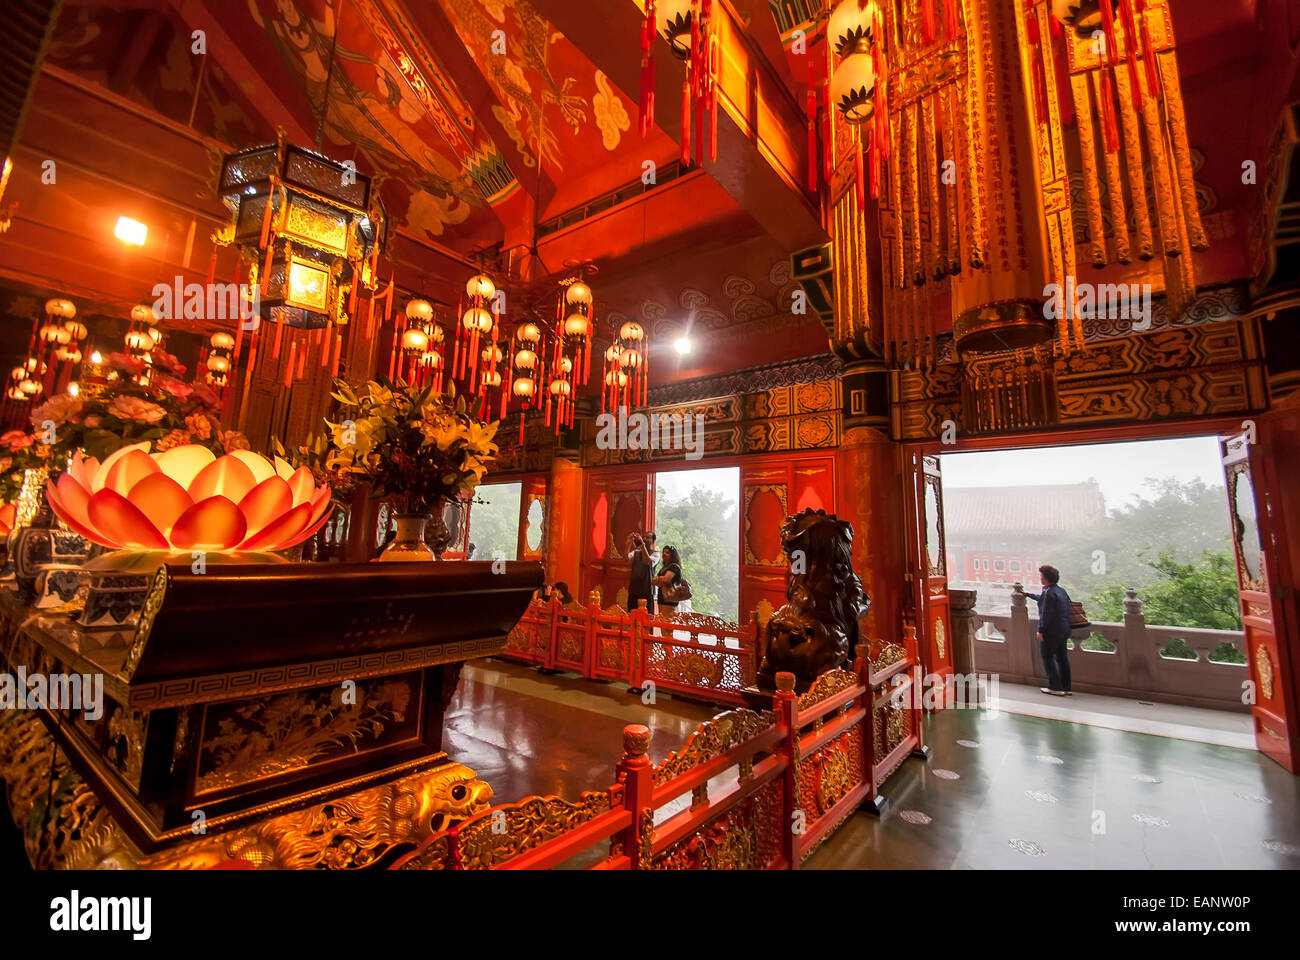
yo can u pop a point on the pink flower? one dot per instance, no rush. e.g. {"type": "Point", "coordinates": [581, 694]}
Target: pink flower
{"type": "Point", "coordinates": [176, 388]}
{"type": "Point", "coordinates": [15, 440]}
{"type": "Point", "coordinates": [206, 396]}
{"type": "Point", "coordinates": [59, 410]}
{"type": "Point", "coordinates": [168, 362]}
{"type": "Point", "coordinates": [133, 408]}
{"type": "Point", "coordinates": [131, 365]}
{"type": "Point", "coordinates": [93, 421]}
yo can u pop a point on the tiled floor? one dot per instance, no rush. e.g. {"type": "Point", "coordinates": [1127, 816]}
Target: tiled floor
{"type": "Point", "coordinates": [1028, 791]}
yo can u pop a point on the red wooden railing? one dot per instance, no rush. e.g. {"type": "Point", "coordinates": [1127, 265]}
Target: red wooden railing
{"type": "Point", "coordinates": [690, 654]}
{"type": "Point", "coordinates": [765, 788]}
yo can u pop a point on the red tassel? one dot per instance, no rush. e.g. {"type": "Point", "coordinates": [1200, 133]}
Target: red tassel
{"type": "Point", "coordinates": [1149, 55]}
{"type": "Point", "coordinates": [686, 123]}
{"type": "Point", "coordinates": [1038, 69]}
{"type": "Point", "coordinates": [1130, 53]}
{"type": "Point", "coordinates": [875, 169]}
{"type": "Point", "coordinates": [275, 348]}
{"type": "Point", "coordinates": [950, 18]}
{"type": "Point", "coordinates": [1108, 28]}
{"type": "Point", "coordinates": [648, 68]}
{"type": "Point", "coordinates": [810, 110]}
{"type": "Point", "coordinates": [338, 352]}
{"type": "Point", "coordinates": [1109, 123]}
{"type": "Point", "coordinates": [927, 20]}
{"type": "Point", "coordinates": [288, 367]}
{"type": "Point", "coordinates": [1060, 56]}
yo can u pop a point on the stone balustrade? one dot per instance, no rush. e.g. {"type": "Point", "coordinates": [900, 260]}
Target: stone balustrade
{"type": "Point", "coordinates": [1007, 645]}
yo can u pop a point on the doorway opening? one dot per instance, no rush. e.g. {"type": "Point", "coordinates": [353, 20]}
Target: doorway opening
{"type": "Point", "coordinates": [697, 511]}
{"type": "Point", "coordinates": [494, 522]}
{"type": "Point", "coordinates": [1142, 535]}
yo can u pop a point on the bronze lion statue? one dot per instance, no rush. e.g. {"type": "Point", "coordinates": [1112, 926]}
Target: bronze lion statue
{"type": "Point", "coordinates": [817, 628]}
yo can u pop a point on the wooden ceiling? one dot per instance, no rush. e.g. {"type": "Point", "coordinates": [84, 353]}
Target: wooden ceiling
{"type": "Point", "coordinates": [486, 119]}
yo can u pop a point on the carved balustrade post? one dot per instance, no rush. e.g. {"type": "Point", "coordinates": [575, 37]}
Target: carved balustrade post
{"type": "Point", "coordinates": [965, 623]}
{"type": "Point", "coordinates": [1025, 659]}
{"type": "Point", "coordinates": [1142, 655]}
{"type": "Point", "coordinates": [636, 773]}
{"type": "Point", "coordinates": [636, 668]}
{"type": "Point", "coordinates": [552, 631]}
{"type": "Point", "coordinates": [786, 706]}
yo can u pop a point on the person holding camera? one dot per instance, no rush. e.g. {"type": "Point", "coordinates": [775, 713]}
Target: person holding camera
{"type": "Point", "coordinates": [643, 557]}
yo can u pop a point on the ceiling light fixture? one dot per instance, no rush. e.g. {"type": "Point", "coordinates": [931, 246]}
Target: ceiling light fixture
{"type": "Point", "coordinates": [682, 345]}
{"type": "Point", "coordinates": [131, 231]}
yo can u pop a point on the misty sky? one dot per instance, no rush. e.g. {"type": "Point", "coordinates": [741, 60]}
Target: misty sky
{"type": "Point", "coordinates": [1120, 468]}
{"type": "Point", "coordinates": [677, 485]}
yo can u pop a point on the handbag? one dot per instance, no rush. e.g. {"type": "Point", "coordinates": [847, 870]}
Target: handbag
{"type": "Point", "coordinates": [677, 592]}
{"type": "Point", "coordinates": [1078, 619]}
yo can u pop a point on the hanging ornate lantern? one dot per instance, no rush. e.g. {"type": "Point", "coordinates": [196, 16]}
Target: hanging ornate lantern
{"type": "Point", "coordinates": [310, 228]}
{"type": "Point", "coordinates": [849, 25]}
{"type": "Point", "coordinates": [673, 20]}
{"type": "Point", "coordinates": [687, 26]}
{"type": "Point", "coordinates": [853, 86]}
{"type": "Point", "coordinates": [627, 367]}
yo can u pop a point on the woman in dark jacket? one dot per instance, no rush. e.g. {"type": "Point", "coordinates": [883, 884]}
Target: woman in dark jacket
{"type": "Point", "coordinates": [670, 572]}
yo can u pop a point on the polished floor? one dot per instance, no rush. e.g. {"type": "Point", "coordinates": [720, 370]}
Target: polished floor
{"type": "Point", "coordinates": [1000, 790]}
{"type": "Point", "coordinates": [1227, 728]}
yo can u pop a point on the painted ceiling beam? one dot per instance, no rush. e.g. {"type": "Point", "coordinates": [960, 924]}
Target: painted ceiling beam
{"type": "Point", "coordinates": [761, 140]}
{"type": "Point", "coordinates": [259, 90]}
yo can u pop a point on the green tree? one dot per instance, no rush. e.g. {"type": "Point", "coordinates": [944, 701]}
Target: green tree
{"type": "Point", "coordinates": [1201, 595]}
{"type": "Point", "coordinates": [1183, 521]}
{"type": "Point", "coordinates": [494, 521]}
{"type": "Point", "coordinates": [703, 526]}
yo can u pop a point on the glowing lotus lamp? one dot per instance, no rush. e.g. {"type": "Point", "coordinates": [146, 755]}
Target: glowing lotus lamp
{"type": "Point", "coordinates": [65, 309]}
{"type": "Point", "coordinates": [529, 333]}
{"type": "Point", "coordinates": [524, 387]}
{"type": "Point", "coordinates": [525, 359]}
{"type": "Point", "coordinates": [30, 388]}
{"type": "Point", "coordinates": [138, 342]}
{"type": "Point", "coordinates": [850, 24]}
{"type": "Point", "coordinates": [480, 287]}
{"type": "Point", "coordinates": [673, 20]}
{"type": "Point", "coordinates": [55, 334]}
{"type": "Point", "coordinates": [477, 319]}
{"type": "Point", "coordinates": [414, 342]}
{"type": "Point", "coordinates": [576, 325]}
{"type": "Point", "coordinates": [578, 293]}
{"type": "Point", "coordinates": [186, 499]}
